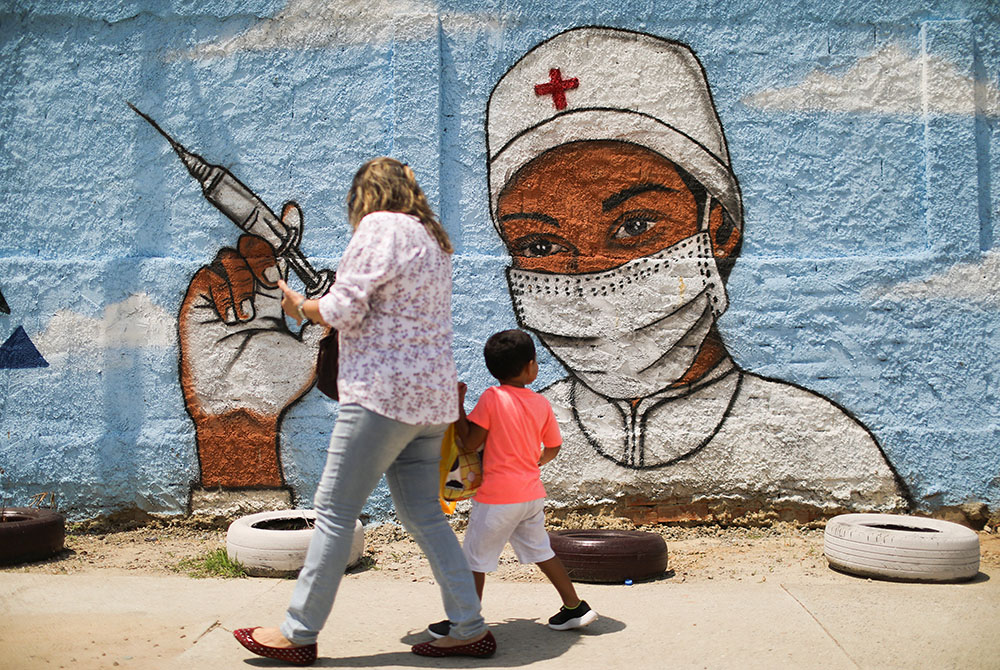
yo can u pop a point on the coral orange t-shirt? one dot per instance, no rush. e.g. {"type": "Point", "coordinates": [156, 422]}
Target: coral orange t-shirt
{"type": "Point", "coordinates": [519, 422]}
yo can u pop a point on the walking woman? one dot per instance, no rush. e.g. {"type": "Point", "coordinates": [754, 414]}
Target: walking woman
{"type": "Point", "coordinates": [391, 305]}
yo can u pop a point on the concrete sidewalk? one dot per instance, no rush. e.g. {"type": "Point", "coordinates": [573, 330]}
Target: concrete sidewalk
{"type": "Point", "coordinates": [90, 621]}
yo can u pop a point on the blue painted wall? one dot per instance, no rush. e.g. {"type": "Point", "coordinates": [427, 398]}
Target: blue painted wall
{"type": "Point", "coordinates": [868, 273]}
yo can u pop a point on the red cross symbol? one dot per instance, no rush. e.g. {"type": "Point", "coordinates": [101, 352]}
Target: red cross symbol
{"type": "Point", "coordinates": [557, 87]}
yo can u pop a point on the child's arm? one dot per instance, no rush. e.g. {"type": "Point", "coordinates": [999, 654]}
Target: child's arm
{"type": "Point", "coordinates": [470, 435]}
{"type": "Point", "coordinates": [548, 453]}
{"type": "Point", "coordinates": [550, 436]}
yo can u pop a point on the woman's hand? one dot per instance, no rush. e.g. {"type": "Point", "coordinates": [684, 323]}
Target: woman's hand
{"type": "Point", "coordinates": [295, 305]}
{"type": "Point", "coordinates": [291, 302]}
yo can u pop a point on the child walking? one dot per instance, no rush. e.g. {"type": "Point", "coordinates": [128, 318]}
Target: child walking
{"type": "Point", "coordinates": [514, 423]}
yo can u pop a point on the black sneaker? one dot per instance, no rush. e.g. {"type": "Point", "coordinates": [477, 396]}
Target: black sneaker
{"type": "Point", "coordinates": [578, 617]}
{"type": "Point", "coordinates": [440, 629]}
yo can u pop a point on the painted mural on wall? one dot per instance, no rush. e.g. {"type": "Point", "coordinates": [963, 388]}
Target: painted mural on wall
{"type": "Point", "coordinates": [611, 186]}
{"type": "Point", "coordinates": [18, 351]}
{"type": "Point", "coordinates": [796, 235]}
{"type": "Point", "coordinates": [240, 365]}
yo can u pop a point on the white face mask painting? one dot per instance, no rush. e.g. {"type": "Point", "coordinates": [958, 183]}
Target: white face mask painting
{"type": "Point", "coordinates": [634, 330]}
{"type": "Point", "coordinates": [630, 331]}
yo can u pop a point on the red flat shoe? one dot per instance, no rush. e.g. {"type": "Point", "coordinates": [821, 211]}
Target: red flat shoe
{"type": "Point", "coordinates": [304, 655]}
{"type": "Point", "coordinates": [481, 648]}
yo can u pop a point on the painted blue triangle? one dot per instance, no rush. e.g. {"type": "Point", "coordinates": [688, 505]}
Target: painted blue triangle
{"type": "Point", "coordinates": [19, 352]}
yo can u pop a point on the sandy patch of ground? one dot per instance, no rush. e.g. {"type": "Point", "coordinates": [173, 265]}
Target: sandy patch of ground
{"type": "Point", "coordinates": [701, 553]}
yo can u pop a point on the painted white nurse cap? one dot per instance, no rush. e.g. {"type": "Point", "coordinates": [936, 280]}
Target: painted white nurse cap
{"type": "Point", "coordinates": [595, 83]}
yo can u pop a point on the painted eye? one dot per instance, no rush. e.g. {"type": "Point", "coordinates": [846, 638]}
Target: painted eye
{"type": "Point", "coordinates": [538, 247]}
{"type": "Point", "coordinates": [634, 226]}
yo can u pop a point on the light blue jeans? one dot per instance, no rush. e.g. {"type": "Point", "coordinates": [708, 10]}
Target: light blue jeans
{"type": "Point", "coordinates": [363, 446]}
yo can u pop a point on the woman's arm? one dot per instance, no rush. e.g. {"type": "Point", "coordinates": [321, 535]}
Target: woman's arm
{"type": "Point", "coordinates": [298, 307]}
{"type": "Point", "coordinates": [373, 257]}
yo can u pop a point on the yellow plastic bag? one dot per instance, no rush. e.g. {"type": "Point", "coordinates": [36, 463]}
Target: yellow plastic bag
{"type": "Point", "coordinates": [461, 474]}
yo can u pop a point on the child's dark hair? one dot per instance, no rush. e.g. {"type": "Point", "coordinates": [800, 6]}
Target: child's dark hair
{"type": "Point", "coordinates": [507, 352]}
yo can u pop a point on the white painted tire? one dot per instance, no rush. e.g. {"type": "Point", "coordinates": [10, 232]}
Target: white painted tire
{"type": "Point", "coordinates": [268, 552]}
{"type": "Point", "coordinates": [894, 546]}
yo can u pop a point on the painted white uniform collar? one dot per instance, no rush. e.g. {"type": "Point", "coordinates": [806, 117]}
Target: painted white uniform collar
{"type": "Point", "coordinates": [663, 428]}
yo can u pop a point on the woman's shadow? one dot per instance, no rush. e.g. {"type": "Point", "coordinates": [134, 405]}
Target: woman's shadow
{"type": "Point", "coordinates": [519, 642]}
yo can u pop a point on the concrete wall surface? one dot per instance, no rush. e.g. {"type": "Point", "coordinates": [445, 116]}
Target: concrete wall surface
{"type": "Point", "coordinates": [753, 242]}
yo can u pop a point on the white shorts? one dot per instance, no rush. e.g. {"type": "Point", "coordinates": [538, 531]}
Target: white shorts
{"type": "Point", "coordinates": [492, 526]}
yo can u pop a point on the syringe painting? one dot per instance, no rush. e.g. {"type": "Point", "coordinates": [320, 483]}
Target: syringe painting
{"type": "Point", "coordinates": [612, 189]}
{"type": "Point", "coordinates": [241, 367]}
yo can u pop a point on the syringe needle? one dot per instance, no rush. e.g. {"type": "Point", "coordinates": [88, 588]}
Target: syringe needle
{"type": "Point", "coordinates": [197, 166]}
{"type": "Point", "coordinates": [173, 142]}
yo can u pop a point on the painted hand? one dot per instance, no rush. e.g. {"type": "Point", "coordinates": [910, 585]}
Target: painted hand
{"type": "Point", "coordinates": [241, 366]}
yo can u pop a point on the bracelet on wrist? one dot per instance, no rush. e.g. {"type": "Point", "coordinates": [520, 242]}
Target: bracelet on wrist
{"type": "Point", "coordinates": [299, 311]}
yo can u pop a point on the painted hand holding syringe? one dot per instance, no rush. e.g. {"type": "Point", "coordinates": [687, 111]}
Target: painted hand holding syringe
{"type": "Point", "coordinates": [240, 365]}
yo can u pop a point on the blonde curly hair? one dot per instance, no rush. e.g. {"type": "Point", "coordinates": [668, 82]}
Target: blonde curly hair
{"type": "Point", "coordinates": [386, 185]}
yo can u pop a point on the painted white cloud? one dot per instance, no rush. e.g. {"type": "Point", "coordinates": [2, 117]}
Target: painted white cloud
{"type": "Point", "coordinates": [975, 282]}
{"type": "Point", "coordinates": [135, 322]}
{"type": "Point", "coordinates": [316, 24]}
{"type": "Point", "coordinates": [889, 81]}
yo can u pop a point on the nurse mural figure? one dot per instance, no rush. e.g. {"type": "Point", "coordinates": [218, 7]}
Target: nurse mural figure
{"type": "Point", "coordinates": [611, 186]}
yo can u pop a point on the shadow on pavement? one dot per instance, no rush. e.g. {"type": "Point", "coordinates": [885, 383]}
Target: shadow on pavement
{"type": "Point", "coordinates": [519, 642]}
{"type": "Point", "coordinates": [979, 578]}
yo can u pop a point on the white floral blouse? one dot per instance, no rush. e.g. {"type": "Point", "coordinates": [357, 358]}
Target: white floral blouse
{"type": "Point", "coordinates": [391, 304]}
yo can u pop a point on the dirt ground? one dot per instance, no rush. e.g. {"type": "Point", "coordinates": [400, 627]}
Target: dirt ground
{"type": "Point", "coordinates": [700, 553]}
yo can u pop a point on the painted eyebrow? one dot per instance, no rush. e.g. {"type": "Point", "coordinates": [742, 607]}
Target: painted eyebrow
{"type": "Point", "coordinates": [621, 196]}
{"type": "Point", "coordinates": [544, 218]}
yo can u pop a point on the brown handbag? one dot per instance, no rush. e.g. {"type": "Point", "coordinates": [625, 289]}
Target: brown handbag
{"type": "Point", "coordinates": [327, 361]}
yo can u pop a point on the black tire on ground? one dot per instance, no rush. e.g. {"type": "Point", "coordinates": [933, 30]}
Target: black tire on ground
{"type": "Point", "coordinates": [610, 556]}
{"type": "Point", "coordinates": [30, 534]}
{"type": "Point", "coordinates": [899, 547]}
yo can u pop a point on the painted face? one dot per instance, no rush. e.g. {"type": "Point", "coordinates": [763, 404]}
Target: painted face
{"type": "Point", "coordinates": [591, 206]}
